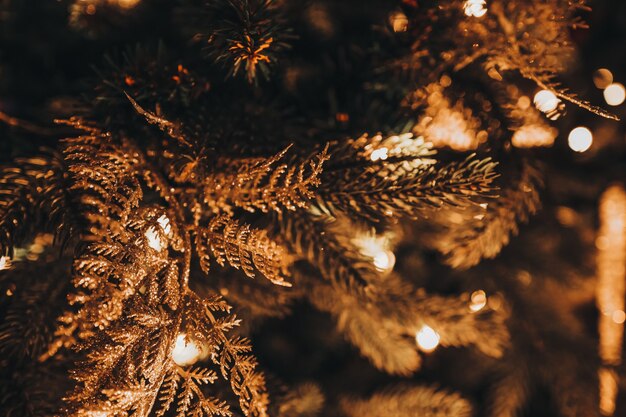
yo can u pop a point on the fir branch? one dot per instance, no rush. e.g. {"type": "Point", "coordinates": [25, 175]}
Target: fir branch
{"type": "Point", "coordinates": [242, 247]}
{"type": "Point", "coordinates": [33, 197]}
{"type": "Point", "coordinates": [471, 235]}
{"type": "Point", "coordinates": [305, 400]}
{"type": "Point", "coordinates": [408, 184]}
{"type": "Point", "coordinates": [410, 402]}
{"type": "Point", "coordinates": [265, 185]}
{"type": "Point", "coordinates": [247, 36]}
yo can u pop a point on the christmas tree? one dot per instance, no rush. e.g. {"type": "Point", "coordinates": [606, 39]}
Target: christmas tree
{"type": "Point", "coordinates": [301, 208]}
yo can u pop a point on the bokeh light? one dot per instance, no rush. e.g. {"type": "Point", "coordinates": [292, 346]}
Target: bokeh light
{"type": "Point", "coordinates": [580, 139]}
{"type": "Point", "coordinates": [427, 339]}
{"type": "Point", "coordinates": [615, 94]}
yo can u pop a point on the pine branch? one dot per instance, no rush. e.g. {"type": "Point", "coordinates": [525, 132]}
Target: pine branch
{"type": "Point", "coordinates": [246, 36]}
{"type": "Point", "coordinates": [471, 235]}
{"type": "Point", "coordinates": [408, 184]}
{"type": "Point", "coordinates": [32, 197]}
{"type": "Point", "coordinates": [265, 185]}
{"type": "Point", "coordinates": [305, 400]}
{"type": "Point", "coordinates": [243, 248]}
{"type": "Point", "coordinates": [410, 402]}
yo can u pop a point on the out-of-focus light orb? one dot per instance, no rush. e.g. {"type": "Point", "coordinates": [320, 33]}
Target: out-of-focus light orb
{"type": "Point", "coordinates": [614, 94]}
{"type": "Point", "coordinates": [580, 139]}
{"type": "Point", "coordinates": [127, 4]}
{"type": "Point", "coordinates": [154, 240]}
{"type": "Point", "coordinates": [185, 353]}
{"type": "Point", "coordinates": [602, 78]}
{"type": "Point", "coordinates": [5, 262]}
{"type": "Point", "coordinates": [546, 101]}
{"type": "Point", "coordinates": [379, 154]}
{"type": "Point", "coordinates": [476, 8]}
{"type": "Point", "coordinates": [427, 339]}
{"type": "Point", "coordinates": [399, 22]}
{"type": "Point", "coordinates": [164, 222]}
{"type": "Point", "coordinates": [618, 316]}
{"type": "Point", "coordinates": [384, 260]}
{"type": "Point", "coordinates": [478, 300]}
{"type": "Point", "coordinates": [532, 135]}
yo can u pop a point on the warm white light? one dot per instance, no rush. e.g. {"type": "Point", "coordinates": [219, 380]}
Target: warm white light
{"type": "Point", "coordinates": [478, 300]}
{"type": "Point", "coordinates": [127, 4]}
{"type": "Point", "coordinates": [580, 139]}
{"type": "Point", "coordinates": [546, 101]}
{"type": "Point", "coordinates": [399, 22]}
{"type": "Point", "coordinates": [164, 222]}
{"type": "Point", "coordinates": [384, 260]}
{"type": "Point", "coordinates": [381, 154]}
{"type": "Point", "coordinates": [615, 94]}
{"type": "Point", "coordinates": [185, 353]}
{"type": "Point", "coordinates": [376, 248]}
{"type": "Point", "coordinates": [427, 339]}
{"type": "Point", "coordinates": [154, 240]}
{"type": "Point", "coordinates": [476, 8]}
{"type": "Point", "coordinates": [5, 262]}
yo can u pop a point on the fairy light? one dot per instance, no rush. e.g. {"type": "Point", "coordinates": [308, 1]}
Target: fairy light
{"type": "Point", "coordinates": [611, 290]}
{"type": "Point", "coordinates": [478, 301]}
{"type": "Point", "coordinates": [546, 101]}
{"type": "Point", "coordinates": [399, 22]}
{"type": "Point", "coordinates": [580, 139]}
{"type": "Point", "coordinates": [164, 222]}
{"type": "Point", "coordinates": [127, 4]}
{"type": "Point", "coordinates": [427, 339]}
{"type": "Point", "coordinates": [475, 8]}
{"type": "Point", "coordinates": [379, 154]}
{"type": "Point", "coordinates": [614, 94]}
{"type": "Point", "coordinates": [186, 352]}
{"type": "Point", "coordinates": [533, 135]}
{"type": "Point", "coordinates": [154, 240]}
{"type": "Point", "coordinates": [5, 263]}
{"type": "Point", "coordinates": [376, 248]}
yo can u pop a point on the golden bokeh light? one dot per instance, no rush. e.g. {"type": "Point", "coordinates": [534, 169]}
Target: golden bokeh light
{"type": "Point", "coordinates": [478, 300]}
{"type": "Point", "coordinates": [546, 101]}
{"type": "Point", "coordinates": [614, 94]}
{"type": "Point", "coordinates": [186, 352]}
{"type": "Point", "coordinates": [580, 139]}
{"type": "Point", "coordinates": [602, 78]}
{"type": "Point", "coordinates": [427, 339]}
{"type": "Point", "coordinates": [475, 8]}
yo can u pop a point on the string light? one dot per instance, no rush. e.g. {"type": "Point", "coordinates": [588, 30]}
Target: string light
{"type": "Point", "coordinates": [615, 94]}
{"type": "Point", "coordinates": [478, 301]}
{"type": "Point", "coordinates": [476, 8]}
{"type": "Point", "coordinates": [580, 139]}
{"type": "Point", "coordinates": [427, 339]}
{"type": "Point", "coordinates": [399, 21]}
{"type": "Point", "coordinates": [5, 263]}
{"type": "Point", "coordinates": [611, 290]}
{"type": "Point", "coordinates": [186, 352]}
{"type": "Point", "coordinates": [376, 248]}
{"type": "Point", "coordinates": [154, 240]}
{"type": "Point", "coordinates": [379, 154]}
{"type": "Point", "coordinates": [546, 101]}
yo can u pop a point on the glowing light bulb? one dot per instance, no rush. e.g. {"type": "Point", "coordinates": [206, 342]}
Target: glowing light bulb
{"type": "Point", "coordinates": [381, 154]}
{"type": "Point", "coordinates": [376, 248]}
{"type": "Point", "coordinates": [164, 222]}
{"type": "Point", "coordinates": [5, 262]}
{"type": "Point", "coordinates": [546, 101]}
{"type": "Point", "coordinates": [615, 94]}
{"type": "Point", "coordinates": [186, 353]}
{"type": "Point", "coordinates": [384, 260]}
{"type": "Point", "coordinates": [427, 339]}
{"type": "Point", "coordinates": [475, 8]}
{"type": "Point", "coordinates": [399, 22]}
{"type": "Point", "coordinates": [580, 139]}
{"type": "Point", "coordinates": [154, 240]}
{"type": "Point", "coordinates": [478, 300]}
{"type": "Point", "coordinates": [602, 78]}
